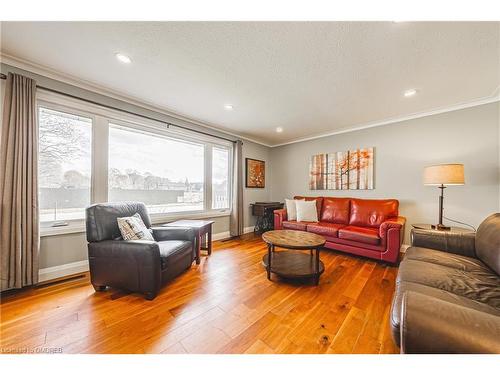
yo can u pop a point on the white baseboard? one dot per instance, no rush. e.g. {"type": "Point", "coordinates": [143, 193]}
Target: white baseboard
{"type": "Point", "coordinates": [225, 235]}
{"type": "Point", "coordinates": [50, 273]}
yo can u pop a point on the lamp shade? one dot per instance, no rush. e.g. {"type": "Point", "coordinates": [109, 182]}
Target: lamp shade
{"type": "Point", "coordinates": [444, 174]}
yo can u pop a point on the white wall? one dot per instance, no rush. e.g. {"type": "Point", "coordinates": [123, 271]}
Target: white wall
{"type": "Point", "coordinates": [468, 136]}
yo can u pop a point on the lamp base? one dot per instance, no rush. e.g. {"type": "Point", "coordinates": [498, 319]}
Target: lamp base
{"type": "Point", "coordinates": [440, 227]}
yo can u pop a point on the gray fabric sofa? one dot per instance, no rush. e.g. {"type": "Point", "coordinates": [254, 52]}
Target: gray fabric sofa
{"type": "Point", "coordinates": [447, 297]}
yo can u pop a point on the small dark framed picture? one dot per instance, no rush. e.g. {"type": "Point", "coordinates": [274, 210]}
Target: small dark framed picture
{"type": "Point", "coordinates": [255, 173]}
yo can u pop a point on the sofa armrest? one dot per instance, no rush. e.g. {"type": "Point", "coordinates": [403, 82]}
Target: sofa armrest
{"type": "Point", "coordinates": [397, 223]}
{"type": "Point", "coordinates": [279, 218]}
{"type": "Point", "coordinates": [451, 242]}
{"type": "Point", "coordinates": [173, 233]}
{"type": "Point", "coordinates": [430, 325]}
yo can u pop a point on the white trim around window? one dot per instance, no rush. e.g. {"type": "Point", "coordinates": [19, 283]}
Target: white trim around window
{"type": "Point", "coordinates": [101, 120]}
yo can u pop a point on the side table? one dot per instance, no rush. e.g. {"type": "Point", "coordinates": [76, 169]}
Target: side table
{"type": "Point", "coordinates": [203, 234]}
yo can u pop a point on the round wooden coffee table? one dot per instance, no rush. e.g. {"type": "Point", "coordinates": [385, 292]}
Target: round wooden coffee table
{"type": "Point", "coordinates": [293, 264]}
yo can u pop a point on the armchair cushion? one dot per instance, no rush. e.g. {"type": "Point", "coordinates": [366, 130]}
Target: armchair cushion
{"type": "Point", "coordinates": [173, 233]}
{"type": "Point", "coordinates": [174, 251]}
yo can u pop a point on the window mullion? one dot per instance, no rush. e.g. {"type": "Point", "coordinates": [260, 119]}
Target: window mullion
{"type": "Point", "coordinates": [208, 177]}
{"type": "Point", "coordinates": [100, 160]}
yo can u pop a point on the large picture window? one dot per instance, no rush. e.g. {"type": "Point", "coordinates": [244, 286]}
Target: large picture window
{"type": "Point", "coordinates": [166, 174]}
{"type": "Point", "coordinates": [64, 165]}
{"type": "Point", "coordinates": [89, 154]}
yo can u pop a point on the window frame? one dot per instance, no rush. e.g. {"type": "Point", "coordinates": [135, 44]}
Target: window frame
{"type": "Point", "coordinates": [102, 118]}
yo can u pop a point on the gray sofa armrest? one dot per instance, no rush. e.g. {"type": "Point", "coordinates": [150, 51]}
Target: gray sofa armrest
{"type": "Point", "coordinates": [430, 325]}
{"type": "Point", "coordinates": [173, 233]}
{"type": "Point", "coordinates": [451, 242]}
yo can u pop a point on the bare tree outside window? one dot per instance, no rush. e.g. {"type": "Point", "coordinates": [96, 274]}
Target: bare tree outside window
{"type": "Point", "coordinates": [64, 164]}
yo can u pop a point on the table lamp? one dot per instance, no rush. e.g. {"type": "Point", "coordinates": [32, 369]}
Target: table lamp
{"type": "Point", "coordinates": [443, 175]}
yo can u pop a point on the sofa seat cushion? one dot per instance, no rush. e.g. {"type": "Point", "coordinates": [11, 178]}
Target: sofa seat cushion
{"type": "Point", "coordinates": [295, 225]}
{"type": "Point", "coordinates": [403, 286]}
{"type": "Point", "coordinates": [360, 234]}
{"type": "Point", "coordinates": [325, 229]}
{"type": "Point", "coordinates": [173, 251]}
{"type": "Point", "coordinates": [481, 285]}
{"type": "Point", "coordinates": [442, 258]}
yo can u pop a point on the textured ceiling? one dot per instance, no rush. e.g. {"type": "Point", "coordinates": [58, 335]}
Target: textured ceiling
{"type": "Point", "coordinates": [309, 78]}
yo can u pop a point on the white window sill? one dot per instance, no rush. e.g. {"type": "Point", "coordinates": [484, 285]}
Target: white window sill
{"type": "Point", "coordinates": [79, 226]}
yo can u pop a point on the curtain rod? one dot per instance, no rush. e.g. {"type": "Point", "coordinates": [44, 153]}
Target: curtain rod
{"type": "Point", "coordinates": [3, 76]}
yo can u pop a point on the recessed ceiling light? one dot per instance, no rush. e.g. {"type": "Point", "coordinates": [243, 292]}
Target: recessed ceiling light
{"type": "Point", "coordinates": [410, 92]}
{"type": "Point", "coordinates": [123, 58]}
{"type": "Point", "coordinates": [279, 129]}
{"type": "Point", "coordinates": [228, 107]}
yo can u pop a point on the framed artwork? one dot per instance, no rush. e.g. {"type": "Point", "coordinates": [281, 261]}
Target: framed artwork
{"type": "Point", "coordinates": [342, 170]}
{"type": "Point", "coordinates": [255, 173]}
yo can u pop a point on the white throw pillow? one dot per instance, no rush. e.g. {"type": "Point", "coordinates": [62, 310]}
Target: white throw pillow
{"type": "Point", "coordinates": [133, 228]}
{"type": "Point", "coordinates": [291, 209]}
{"type": "Point", "coordinates": [306, 211]}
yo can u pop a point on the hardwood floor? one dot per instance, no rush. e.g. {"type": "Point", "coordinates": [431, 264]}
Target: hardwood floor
{"type": "Point", "coordinates": [224, 305]}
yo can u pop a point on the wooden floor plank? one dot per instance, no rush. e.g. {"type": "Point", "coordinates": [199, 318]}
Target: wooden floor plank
{"type": "Point", "coordinates": [224, 305]}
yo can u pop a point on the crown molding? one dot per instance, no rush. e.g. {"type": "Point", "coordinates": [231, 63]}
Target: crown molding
{"type": "Point", "coordinates": [98, 89]}
{"type": "Point", "coordinates": [495, 97]}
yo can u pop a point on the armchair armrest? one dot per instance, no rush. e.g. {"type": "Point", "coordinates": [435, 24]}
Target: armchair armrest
{"type": "Point", "coordinates": [173, 233]}
{"type": "Point", "coordinates": [430, 325]}
{"type": "Point", "coordinates": [279, 217]}
{"type": "Point", "coordinates": [451, 242]}
{"type": "Point", "coordinates": [130, 265]}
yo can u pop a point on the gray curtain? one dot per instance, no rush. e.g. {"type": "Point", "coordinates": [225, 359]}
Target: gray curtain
{"type": "Point", "coordinates": [236, 218]}
{"type": "Point", "coordinates": [19, 244]}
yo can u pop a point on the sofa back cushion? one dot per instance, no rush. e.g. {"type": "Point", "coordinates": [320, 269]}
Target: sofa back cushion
{"type": "Point", "coordinates": [335, 210]}
{"type": "Point", "coordinates": [488, 242]}
{"type": "Point", "coordinates": [319, 202]}
{"type": "Point", "coordinates": [372, 212]}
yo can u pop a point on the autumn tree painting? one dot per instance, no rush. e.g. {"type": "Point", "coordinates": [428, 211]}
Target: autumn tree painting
{"type": "Point", "coordinates": [342, 170]}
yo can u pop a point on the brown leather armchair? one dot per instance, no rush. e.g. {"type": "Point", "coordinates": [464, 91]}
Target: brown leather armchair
{"type": "Point", "coordinates": [137, 266]}
{"type": "Point", "coordinates": [447, 297]}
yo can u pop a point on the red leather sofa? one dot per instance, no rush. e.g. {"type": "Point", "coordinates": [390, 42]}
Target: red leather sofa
{"type": "Point", "coordinates": [366, 227]}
